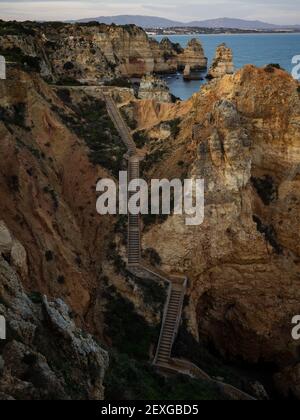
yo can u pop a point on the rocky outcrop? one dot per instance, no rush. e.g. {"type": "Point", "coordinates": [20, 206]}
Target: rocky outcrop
{"type": "Point", "coordinates": [193, 56]}
{"type": "Point", "coordinates": [165, 55]}
{"type": "Point", "coordinates": [242, 136]}
{"type": "Point", "coordinates": [153, 88]}
{"type": "Point", "coordinates": [45, 356]}
{"type": "Point", "coordinates": [93, 53]}
{"type": "Point", "coordinates": [13, 250]}
{"type": "Point", "coordinates": [40, 184]}
{"type": "Point", "coordinates": [222, 63]}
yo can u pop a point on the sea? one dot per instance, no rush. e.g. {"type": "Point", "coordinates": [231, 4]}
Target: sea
{"type": "Point", "coordinates": [257, 49]}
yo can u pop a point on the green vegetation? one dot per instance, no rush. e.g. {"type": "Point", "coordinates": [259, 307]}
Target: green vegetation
{"type": "Point", "coordinates": [153, 256]}
{"type": "Point", "coordinates": [27, 62]}
{"type": "Point", "coordinates": [186, 347]}
{"type": "Point", "coordinates": [129, 332]}
{"type": "Point", "coordinates": [270, 68]}
{"type": "Point", "coordinates": [128, 379]}
{"type": "Point", "coordinates": [61, 279]}
{"type": "Point", "coordinates": [92, 123]}
{"type": "Point", "coordinates": [53, 195]}
{"type": "Point", "coordinates": [14, 115]}
{"type": "Point", "coordinates": [270, 234]}
{"type": "Point", "coordinates": [35, 297]}
{"type": "Point", "coordinates": [129, 119]}
{"type": "Point", "coordinates": [130, 28]}
{"type": "Point", "coordinates": [49, 256]}
{"type": "Point", "coordinates": [69, 81]}
{"type": "Point", "coordinates": [266, 188]}
{"type": "Point", "coordinates": [16, 28]}
{"type": "Point", "coordinates": [64, 95]}
{"type": "Point", "coordinates": [115, 257]}
{"type": "Point", "coordinates": [151, 158]}
{"type": "Point", "coordinates": [140, 138]}
{"type": "Point", "coordinates": [154, 293]}
{"type": "Point", "coordinates": [119, 82]}
{"type": "Point", "coordinates": [68, 66]}
{"type": "Point", "coordinates": [130, 375]}
{"type": "Point", "coordinates": [13, 183]}
{"type": "Point", "coordinates": [175, 127]}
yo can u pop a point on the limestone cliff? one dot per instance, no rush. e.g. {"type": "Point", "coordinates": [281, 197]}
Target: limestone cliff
{"type": "Point", "coordinates": [44, 356]}
{"type": "Point", "coordinates": [153, 88]}
{"type": "Point", "coordinates": [222, 63]}
{"type": "Point", "coordinates": [193, 56]}
{"type": "Point", "coordinates": [242, 136]}
{"type": "Point", "coordinates": [91, 53]}
{"type": "Point", "coordinates": [63, 285]}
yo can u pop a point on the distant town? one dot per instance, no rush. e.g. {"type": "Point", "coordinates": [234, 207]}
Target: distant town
{"type": "Point", "coordinates": [196, 30]}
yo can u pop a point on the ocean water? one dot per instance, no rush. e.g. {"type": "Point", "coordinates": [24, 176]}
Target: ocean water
{"type": "Point", "coordinates": [257, 49]}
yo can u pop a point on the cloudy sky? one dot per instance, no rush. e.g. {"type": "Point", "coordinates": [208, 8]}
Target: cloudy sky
{"type": "Point", "coordinates": [273, 11]}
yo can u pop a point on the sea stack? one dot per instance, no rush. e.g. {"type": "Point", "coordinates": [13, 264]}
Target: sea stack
{"type": "Point", "coordinates": [153, 88]}
{"type": "Point", "coordinates": [193, 56]}
{"type": "Point", "coordinates": [222, 64]}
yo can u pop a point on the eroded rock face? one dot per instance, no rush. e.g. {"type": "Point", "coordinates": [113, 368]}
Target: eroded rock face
{"type": "Point", "coordinates": [93, 53]}
{"type": "Point", "coordinates": [223, 62]}
{"type": "Point", "coordinates": [153, 88]}
{"type": "Point", "coordinates": [165, 55]}
{"type": "Point", "coordinates": [45, 356]}
{"type": "Point", "coordinates": [242, 136]}
{"type": "Point", "coordinates": [193, 56]}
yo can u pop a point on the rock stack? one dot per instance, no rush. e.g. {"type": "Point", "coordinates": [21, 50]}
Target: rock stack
{"type": "Point", "coordinates": [222, 64]}
{"type": "Point", "coordinates": [193, 56]}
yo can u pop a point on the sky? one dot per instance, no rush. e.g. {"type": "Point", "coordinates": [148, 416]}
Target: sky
{"type": "Point", "coordinates": [272, 11]}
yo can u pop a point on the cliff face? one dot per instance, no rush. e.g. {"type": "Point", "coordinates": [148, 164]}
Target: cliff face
{"type": "Point", "coordinates": [153, 88]}
{"type": "Point", "coordinates": [45, 356]}
{"type": "Point", "coordinates": [45, 251]}
{"type": "Point", "coordinates": [92, 53]}
{"type": "Point", "coordinates": [43, 164]}
{"type": "Point", "coordinates": [242, 136]}
{"type": "Point", "coordinates": [63, 287]}
{"type": "Point", "coordinates": [223, 62]}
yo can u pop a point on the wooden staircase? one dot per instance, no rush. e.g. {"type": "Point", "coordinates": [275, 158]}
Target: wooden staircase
{"type": "Point", "coordinates": [171, 322]}
{"type": "Point", "coordinates": [134, 221]}
{"type": "Point", "coordinates": [120, 125]}
{"type": "Point", "coordinates": [177, 284]}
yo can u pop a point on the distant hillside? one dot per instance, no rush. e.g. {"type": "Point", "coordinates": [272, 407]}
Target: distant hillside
{"type": "Point", "coordinates": [233, 23]}
{"type": "Point", "coordinates": [158, 22]}
{"type": "Point", "coordinates": [142, 21]}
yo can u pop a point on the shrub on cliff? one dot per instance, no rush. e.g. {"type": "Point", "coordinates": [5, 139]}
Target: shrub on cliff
{"type": "Point", "coordinates": [123, 324]}
{"type": "Point", "coordinates": [128, 379]}
{"type": "Point", "coordinates": [270, 68]}
{"type": "Point", "coordinates": [15, 28]}
{"type": "Point", "coordinates": [119, 82]}
{"type": "Point", "coordinates": [140, 138]}
{"type": "Point", "coordinates": [26, 62]}
{"type": "Point", "coordinates": [15, 115]}
{"type": "Point", "coordinates": [175, 127]}
{"type": "Point", "coordinates": [266, 188]}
